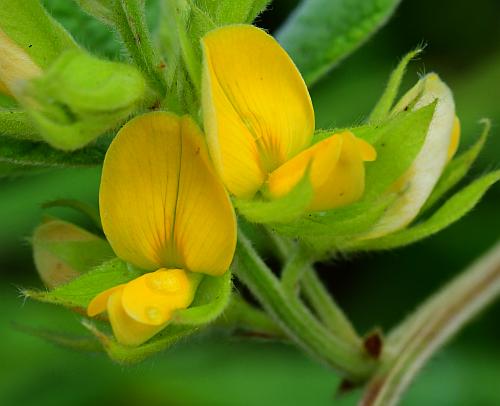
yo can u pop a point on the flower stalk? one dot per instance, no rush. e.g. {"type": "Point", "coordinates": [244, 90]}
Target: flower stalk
{"type": "Point", "coordinates": [131, 24]}
{"type": "Point", "coordinates": [296, 320]}
{"type": "Point", "coordinates": [413, 343]}
{"type": "Point", "coordinates": [314, 291]}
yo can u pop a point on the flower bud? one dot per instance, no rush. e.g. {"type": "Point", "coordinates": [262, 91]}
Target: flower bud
{"type": "Point", "coordinates": [416, 184]}
{"type": "Point", "coordinates": [63, 251]}
{"type": "Point", "coordinates": [80, 97]}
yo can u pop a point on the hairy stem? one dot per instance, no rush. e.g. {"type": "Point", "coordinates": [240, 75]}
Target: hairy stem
{"type": "Point", "coordinates": [130, 21]}
{"type": "Point", "coordinates": [422, 334]}
{"type": "Point", "coordinates": [295, 319]}
{"type": "Point", "coordinates": [315, 292]}
{"type": "Point", "coordinates": [325, 307]}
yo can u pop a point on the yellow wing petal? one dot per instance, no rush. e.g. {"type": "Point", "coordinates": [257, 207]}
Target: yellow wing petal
{"type": "Point", "coordinates": [161, 202]}
{"type": "Point", "coordinates": [152, 297]}
{"type": "Point", "coordinates": [336, 171]}
{"type": "Point", "coordinates": [128, 331]}
{"type": "Point", "coordinates": [256, 107]}
{"type": "Point", "coordinates": [321, 157]}
{"type": "Point", "coordinates": [345, 182]}
{"type": "Point", "coordinates": [100, 302]}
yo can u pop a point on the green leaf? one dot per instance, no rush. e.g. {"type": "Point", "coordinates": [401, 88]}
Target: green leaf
{"type": "Point", "coordinates": [212, 297]}
{"type": "Point", "coordinates": [62, 339]}
{"type": "Point", "coordinates": [28, 24]}
{"type": "Point", "coordinates": [326, 231]}
{"type": "Point", "coordinates": [383, 107]}
{"type": "Point", "coordinates": [132, 355]}
{"type": "Point", "coordinates": [236, 11]}
{"type": "Point", "coordinates": [319, 33]}
{"type": "Point", "coordinates": [8, 170]}
{"type": "Point", "coordinates": [397, 142]}
{"type": "Point", "coordinates": [40, 155]}
{"type": "Point", "coordinates": [454, 208]}
{"type": "Point", "coordinates": [16, 123]}
{"type": "Point", "coordinates": [79, 292]}
{"type": "Point", "coordinates": [457, 169]}
{"type": "Point", "coordinates": [280, 210]}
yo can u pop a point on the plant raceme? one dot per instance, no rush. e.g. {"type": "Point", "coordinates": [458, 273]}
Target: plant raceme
{"type": "Point", "coordinates": [260, 129]}
{"type": "Point", "coordinates": [219, 109]}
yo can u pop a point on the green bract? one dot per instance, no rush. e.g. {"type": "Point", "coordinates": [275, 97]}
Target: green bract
{"type": "Point", "coordinates": [80, 97]}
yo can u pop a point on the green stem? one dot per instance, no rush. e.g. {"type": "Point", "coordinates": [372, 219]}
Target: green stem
{"type": "Point", "coordinates": [420, 336]}
{"type": "Point", "coordinates": [325, 307]}
{"type": "Point", "coordinates": [130, 21]}
{"type": "Point", "coordinates": [240, 314]}
{"type": "Point", "coordinates": [293, 272]}
{"type": "Point", "coordinates": [316, 294]}
{"type": "Point", "coordinates": [299, 324]}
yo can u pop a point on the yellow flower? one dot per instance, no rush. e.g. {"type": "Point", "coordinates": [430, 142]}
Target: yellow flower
{"type": "Point", "coordinates": [164, 210]}
{"type": "Point", "coordinates": [15, 65]}
{"type": "Point", "coordinates": [259, 122]}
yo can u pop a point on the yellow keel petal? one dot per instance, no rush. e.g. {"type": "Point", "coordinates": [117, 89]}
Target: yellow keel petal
{"type": "Point", "coordinates": [128, 331]}
{"type": "Point", "coordinates": [151, 298]}
{"type": "Point", "coordinates": [257, 110]}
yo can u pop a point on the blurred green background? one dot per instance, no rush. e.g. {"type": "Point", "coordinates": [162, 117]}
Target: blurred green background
{"type": "Point", "coordinates": [378, 289]}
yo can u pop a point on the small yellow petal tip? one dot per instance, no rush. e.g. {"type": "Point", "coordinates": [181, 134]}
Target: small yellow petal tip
{"type": "Point", "coordinates": [455, 138]}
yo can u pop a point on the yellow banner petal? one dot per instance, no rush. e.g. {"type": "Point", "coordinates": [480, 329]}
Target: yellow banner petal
{"type": "Point", "coordinates": [256, 107]}
{"type": "Point", "coordinates": [161, 203]}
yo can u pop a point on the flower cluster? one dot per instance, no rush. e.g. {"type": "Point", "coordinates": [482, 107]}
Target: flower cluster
{"type": "Point", "coordinates": [231, 125]}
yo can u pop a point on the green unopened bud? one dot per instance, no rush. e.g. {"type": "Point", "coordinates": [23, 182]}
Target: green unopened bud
{"type": "Point", "coordinates": [80, 97]}
{"type": "Point", "coordinates": [416, 184]}
{"type": "Point", "coordinates": [63, 251]}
